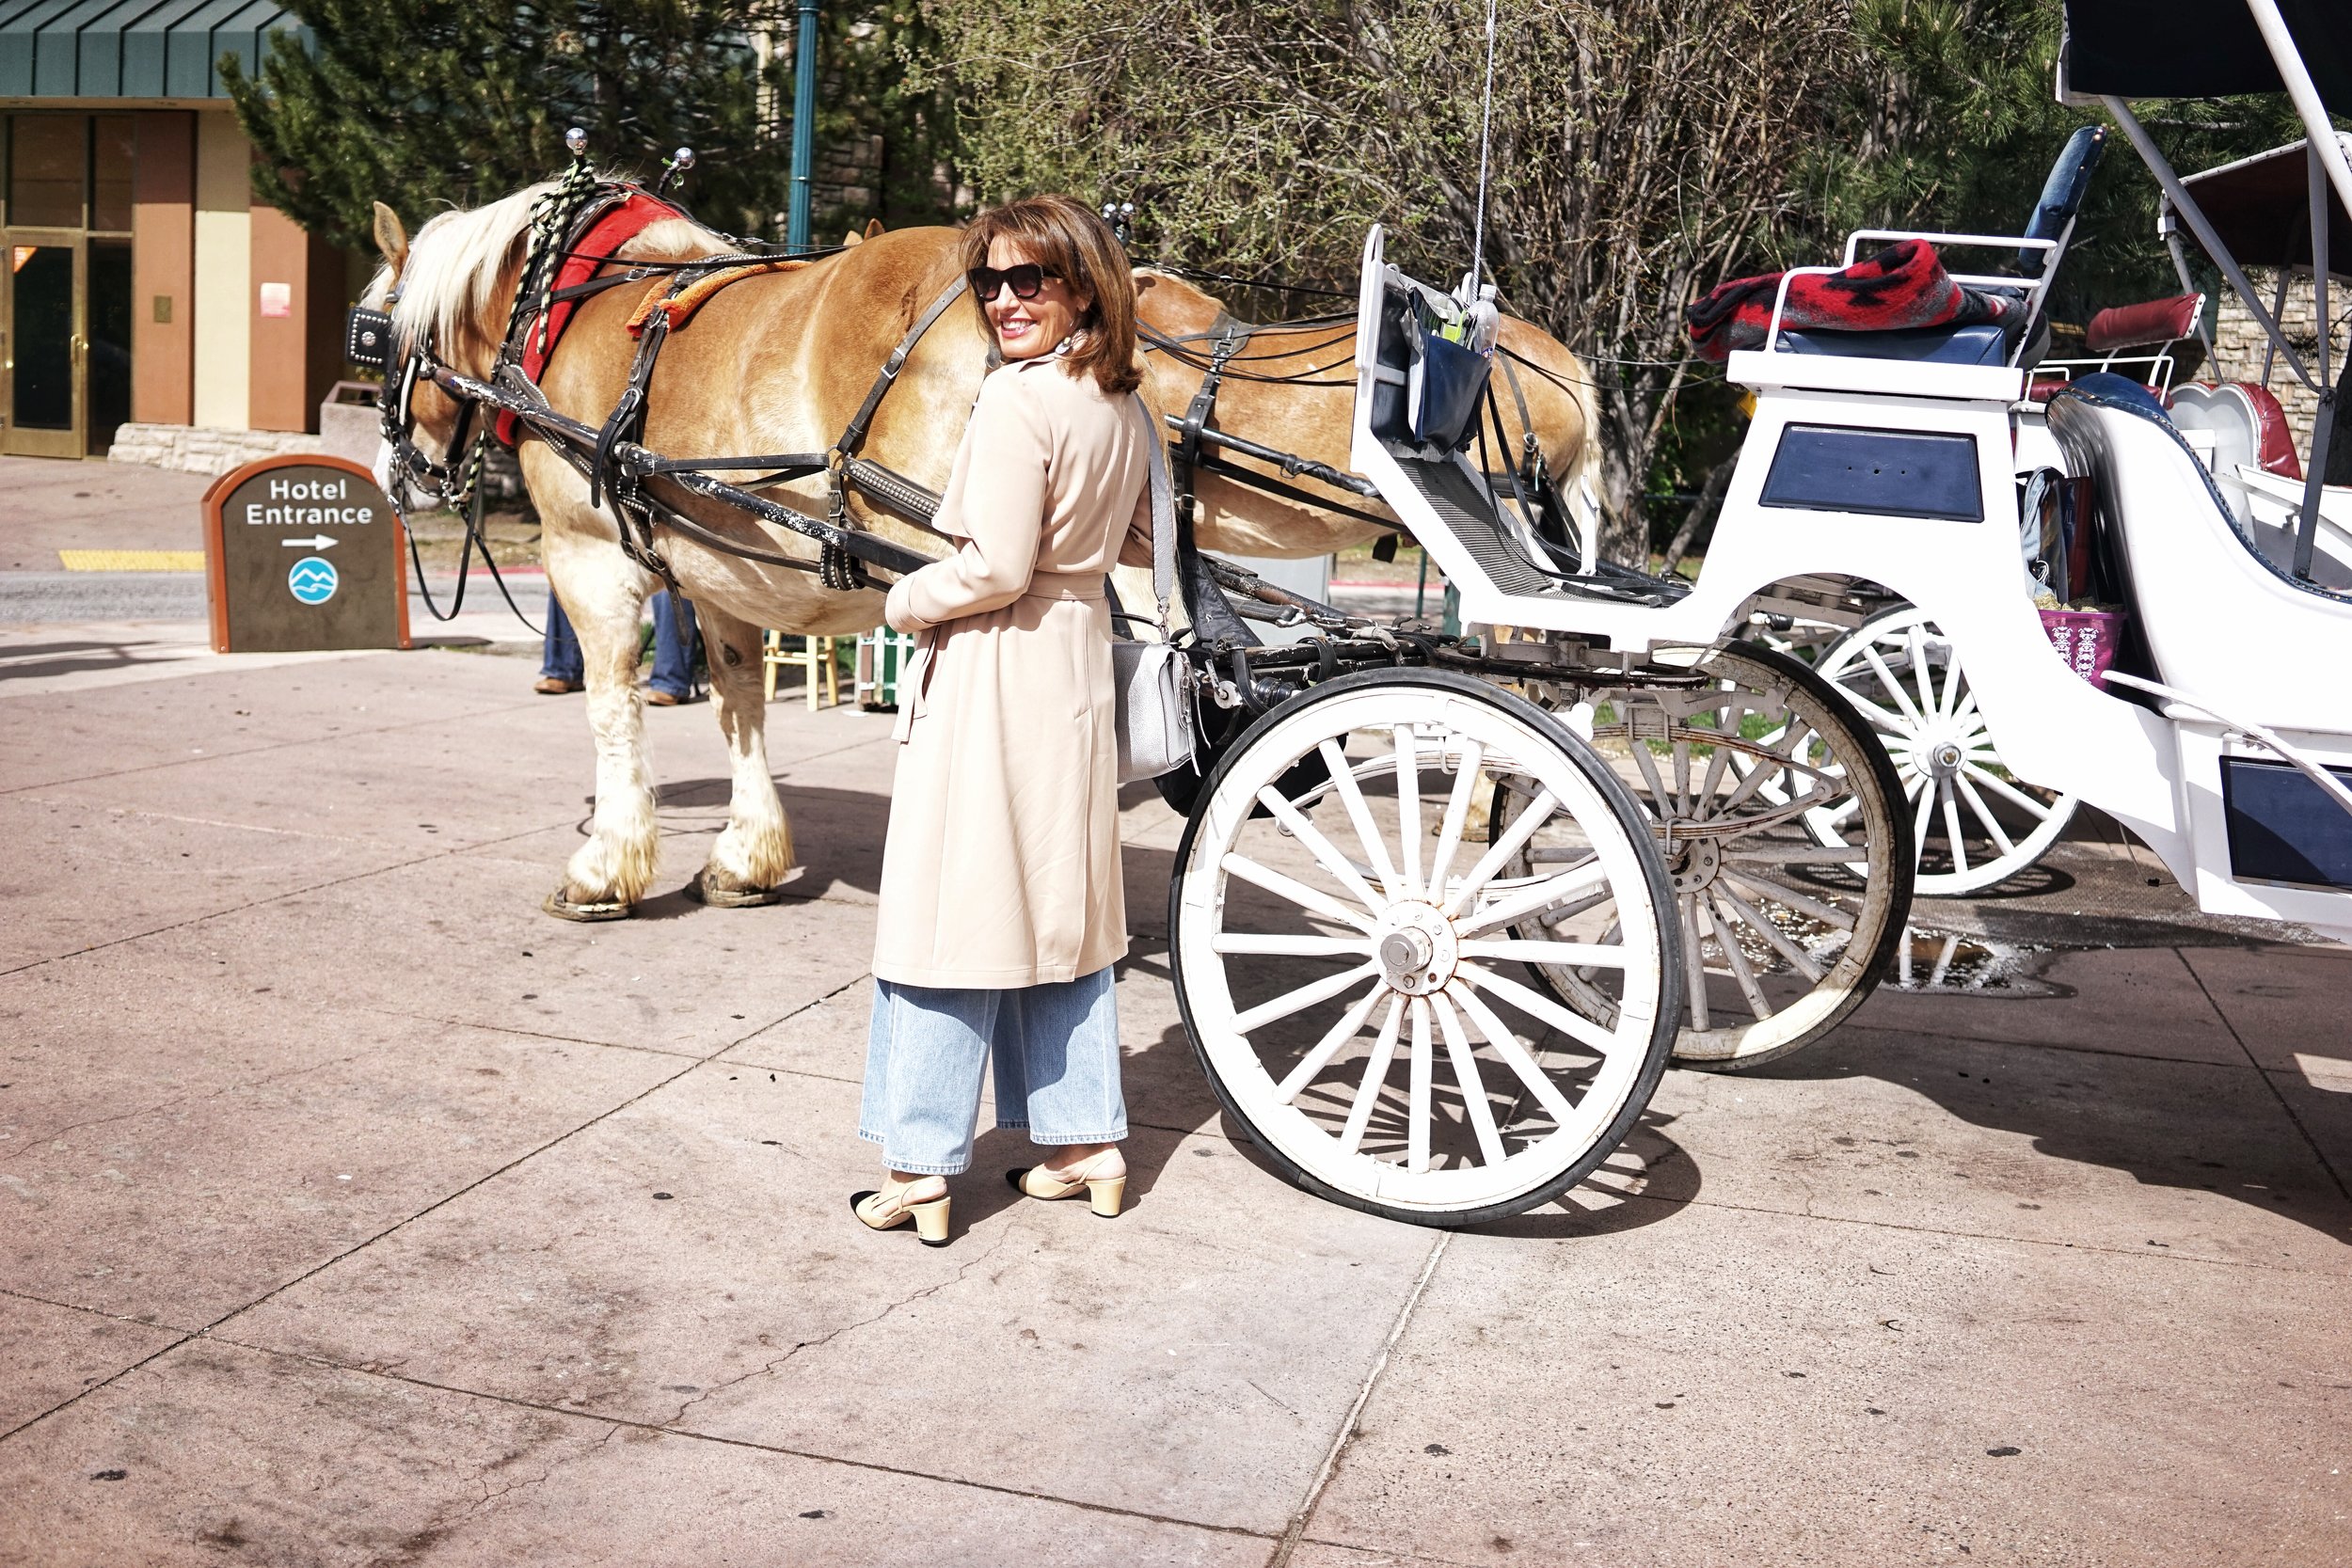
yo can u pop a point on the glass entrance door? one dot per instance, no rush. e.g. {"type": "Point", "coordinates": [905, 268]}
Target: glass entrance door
{"type": "Point", "coordinates": [65, 282]}
{"type": "Point", "coordinates": [41, 314]}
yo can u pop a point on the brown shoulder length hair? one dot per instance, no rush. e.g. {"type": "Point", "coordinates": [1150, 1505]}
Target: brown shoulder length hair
{"type": "Point", "coordinates": [1067, 239]}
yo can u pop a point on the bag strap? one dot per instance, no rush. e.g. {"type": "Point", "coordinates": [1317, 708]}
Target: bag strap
{"type": "Point", "coordinates": [1163, 515]}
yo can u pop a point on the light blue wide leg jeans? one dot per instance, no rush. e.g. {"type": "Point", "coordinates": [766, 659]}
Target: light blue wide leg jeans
{"type": "Point", "coordinates": [1055, 1050]}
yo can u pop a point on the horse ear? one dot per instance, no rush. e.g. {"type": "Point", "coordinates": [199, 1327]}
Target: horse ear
{"type": "Point", "coordinates": [852, 237]}
{"type": "Point", "coordinates": [390, 238]}
{"type": "Point", "coordinates": [873, 227]}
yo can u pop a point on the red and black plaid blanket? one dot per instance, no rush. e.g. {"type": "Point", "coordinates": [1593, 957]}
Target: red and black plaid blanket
{"type": "Point", "coordinates": [1902, 286]}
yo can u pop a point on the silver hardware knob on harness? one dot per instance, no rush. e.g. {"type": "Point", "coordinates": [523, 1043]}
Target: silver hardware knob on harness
{"type": "Point", "coordinates": [577, 140]}
{"type": "Point", "coordinates": [683, 158]}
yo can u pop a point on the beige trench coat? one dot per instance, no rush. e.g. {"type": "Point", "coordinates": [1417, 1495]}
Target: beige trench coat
{"type": "Point", "coordinates": [1001, 868]}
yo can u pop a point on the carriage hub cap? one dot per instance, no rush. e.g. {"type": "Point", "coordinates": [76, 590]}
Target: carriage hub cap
{"type": "Point", "coordinates": [1943, 757]}
{"type": "Point", "coordinates": [1694, 865]}
{"type": "Point", "coordinates": [1416, 947]}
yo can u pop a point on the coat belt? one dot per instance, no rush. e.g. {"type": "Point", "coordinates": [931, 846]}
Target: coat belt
{"type": "Point", "coordinates": [916, 674]}
{"type": "Point", "coordinates": [1064, 585]}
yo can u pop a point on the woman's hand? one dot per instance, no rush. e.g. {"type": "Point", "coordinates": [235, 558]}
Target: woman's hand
{"type": "Point", "coordinates": [897, 613]}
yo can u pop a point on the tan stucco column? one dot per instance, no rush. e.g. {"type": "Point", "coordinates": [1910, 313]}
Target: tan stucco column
{"type": "Point", "coordinates": [224, 286]}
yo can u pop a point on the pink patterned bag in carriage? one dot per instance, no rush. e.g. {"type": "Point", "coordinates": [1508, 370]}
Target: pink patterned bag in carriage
{"type": "Point", "coordinates": [2084, 639]}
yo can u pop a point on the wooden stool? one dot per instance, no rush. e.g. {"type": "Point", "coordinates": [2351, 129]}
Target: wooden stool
{"type": "Point", "coordinates": [815, 655]}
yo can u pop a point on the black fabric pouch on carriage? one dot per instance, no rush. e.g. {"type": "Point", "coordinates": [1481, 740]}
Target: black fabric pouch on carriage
{"type": "Point", "coordinates": [1446, 383]}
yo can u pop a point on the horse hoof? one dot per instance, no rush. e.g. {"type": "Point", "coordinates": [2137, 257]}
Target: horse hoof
{"type": "Point", "coordinates": [702, 891]}
{"type": "Point", "coordinates": [564, 909]}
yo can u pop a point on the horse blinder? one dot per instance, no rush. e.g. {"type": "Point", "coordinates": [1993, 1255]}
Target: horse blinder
{"type": "Point", "coordinates": [368, 338]}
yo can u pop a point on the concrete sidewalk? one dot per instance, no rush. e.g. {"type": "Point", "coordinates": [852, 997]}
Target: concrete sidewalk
{"type": "Point", "coordinates": [354, 1212]}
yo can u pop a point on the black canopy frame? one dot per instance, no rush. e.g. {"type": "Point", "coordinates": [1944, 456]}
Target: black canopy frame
{"type": "Point", "coordinates": [2117, 50]}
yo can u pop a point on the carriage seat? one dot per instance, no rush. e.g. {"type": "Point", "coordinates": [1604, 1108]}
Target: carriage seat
{"type": "Point", "coordinates": [2113, 429]}
{"type": "Point", "coordinates": [1984, 343]}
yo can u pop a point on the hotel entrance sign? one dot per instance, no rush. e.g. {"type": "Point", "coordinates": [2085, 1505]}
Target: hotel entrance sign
{"type": "Point", "coordinates": [302, 552]}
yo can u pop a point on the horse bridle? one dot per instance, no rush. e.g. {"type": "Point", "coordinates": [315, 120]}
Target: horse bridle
{"type": "Point", "coordinates": [412, 470]}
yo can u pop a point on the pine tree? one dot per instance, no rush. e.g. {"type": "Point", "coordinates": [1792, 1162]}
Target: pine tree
{"type": "Point", "coordinates": [1953, 125]}
{"type": "Point", "coordinates": [423, 103]}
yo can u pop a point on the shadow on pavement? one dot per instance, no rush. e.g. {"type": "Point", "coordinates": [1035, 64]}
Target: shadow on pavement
{"type": "Point", "coordinates": [2164, 1123]}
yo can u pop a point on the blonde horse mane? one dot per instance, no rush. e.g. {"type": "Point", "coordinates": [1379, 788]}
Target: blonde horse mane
{"type": "Point", "coordinates": [458, 261]}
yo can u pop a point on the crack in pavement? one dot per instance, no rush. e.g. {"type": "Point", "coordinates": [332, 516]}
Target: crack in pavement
{"type": "Point", "coordinates": [445, 853]}
{"type": "Point", "coordinates": [617, 1424]}
{"type": "Point", "coordinates": [2268, 1081]}
{"type": "Point", "coordinates": [556, 1039]}
{"type": "Point", "coordinates": [204, 821]}
{"type": "Point", "coordinates": [1346, 1433]}
{"type": "Point", "coordinates": [827, 1339]}
{"type": "Point", "coordinates": [489, 1496]}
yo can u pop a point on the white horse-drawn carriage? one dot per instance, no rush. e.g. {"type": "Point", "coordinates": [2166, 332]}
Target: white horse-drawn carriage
{"type": "Point", "coordinates": [1444, 1031]}
{"type": "Point", "coordinates": [1446, 907]}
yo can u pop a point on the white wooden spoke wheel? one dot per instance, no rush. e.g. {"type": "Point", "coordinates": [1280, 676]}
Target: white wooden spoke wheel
{"type": "Point", "coordinates": [1974, 825]}
{"type": "Point", "coordinates": [1781, 938]}
{"type": "Point", "coordinates": [1345, 962]}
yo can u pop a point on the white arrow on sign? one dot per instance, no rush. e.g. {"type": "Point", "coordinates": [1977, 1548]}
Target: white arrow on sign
{"type": "Point", "coordinates": [320, 541]}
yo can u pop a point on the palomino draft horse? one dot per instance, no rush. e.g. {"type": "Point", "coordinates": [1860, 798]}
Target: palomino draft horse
{"type": "Point", "coordinates": [779, 362]}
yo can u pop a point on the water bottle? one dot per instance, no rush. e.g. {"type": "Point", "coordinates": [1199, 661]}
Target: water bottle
{"type": "Point", "coordinates": [1486, 321]}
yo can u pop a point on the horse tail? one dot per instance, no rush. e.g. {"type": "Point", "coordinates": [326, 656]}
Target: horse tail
{"type": "Point", "coordinates": [1580, 479]}
{"type": "Point", "coordinates": [1587, 477]}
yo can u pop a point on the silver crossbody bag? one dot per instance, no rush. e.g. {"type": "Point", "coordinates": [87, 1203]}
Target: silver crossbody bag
{"type": "Point", "coordinates": [1154, 679]}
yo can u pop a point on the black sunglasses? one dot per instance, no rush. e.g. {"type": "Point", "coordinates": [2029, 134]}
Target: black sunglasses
{"type": "Point", "coordinates": [1025, 278]}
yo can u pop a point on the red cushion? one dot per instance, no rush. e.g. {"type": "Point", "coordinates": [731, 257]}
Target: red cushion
{"type": "Point", "coordinates": [2157, 320]}
{"type": "Point", "coordinates": [2278, 441]}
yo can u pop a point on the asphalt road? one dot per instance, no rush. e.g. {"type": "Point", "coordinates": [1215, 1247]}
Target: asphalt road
{"type": "Point", "coordinates": [29, 597]}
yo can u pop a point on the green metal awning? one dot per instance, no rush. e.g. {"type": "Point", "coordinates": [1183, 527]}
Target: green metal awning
{"type": "Point", "coordinates": [130, 49]}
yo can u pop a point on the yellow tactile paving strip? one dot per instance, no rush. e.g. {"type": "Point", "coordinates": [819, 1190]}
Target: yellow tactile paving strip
{"type": "Point", "coordinates": [131, 561]}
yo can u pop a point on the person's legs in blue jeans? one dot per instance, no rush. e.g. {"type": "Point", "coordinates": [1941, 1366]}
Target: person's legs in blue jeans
{"type": "Point", "coordinates": [1055, 1051]}
{"type": "Point", "coordinates": [676, 642]}
{"type": "Point", "coordinates": [559, 658]}
{"type": "Point", "coordinates": [925, 1052]}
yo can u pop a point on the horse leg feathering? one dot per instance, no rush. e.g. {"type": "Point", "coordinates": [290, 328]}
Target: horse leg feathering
{"type": "Point", "coordinates": [604, 593]}
{"type": "Point", "coordinates": [753, 856]}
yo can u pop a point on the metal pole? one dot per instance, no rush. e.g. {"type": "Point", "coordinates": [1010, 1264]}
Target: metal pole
{"type": "Point", "coordinates": [2185, 206]}
{"type": "Point", "coordinates": [803, 123]}
{"type": "Point", "coordinates": [2323, 220]}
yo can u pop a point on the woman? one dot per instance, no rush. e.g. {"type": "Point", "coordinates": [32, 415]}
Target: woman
{"type": "Point", "coordinates": [1002, 910]}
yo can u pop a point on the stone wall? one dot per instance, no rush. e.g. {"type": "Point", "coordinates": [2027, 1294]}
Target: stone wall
{"type": "Point", "coordinates": [845, 176]}
{"type": "Point", "coordinates": [192, 450]}
{"type": "Point", "coordinates": [845, 184]}
{"type": "Point", "coordinates": [2239, 343]}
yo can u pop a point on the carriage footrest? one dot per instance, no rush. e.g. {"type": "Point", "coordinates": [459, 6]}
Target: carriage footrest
{"type": "Point", "coordinates": [1466, 511]}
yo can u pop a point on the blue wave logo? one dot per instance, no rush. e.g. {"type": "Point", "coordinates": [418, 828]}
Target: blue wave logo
{"type": "Point", "coordinates": [313, 579]}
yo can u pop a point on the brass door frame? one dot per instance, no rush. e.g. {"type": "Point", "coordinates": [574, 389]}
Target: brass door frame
{"type": "Point", "coordinates": [45, 443]}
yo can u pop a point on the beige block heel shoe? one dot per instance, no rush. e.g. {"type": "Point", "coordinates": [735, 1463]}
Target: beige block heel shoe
{"type": "Point", "coordinates": [1104, 1193]}
{"type": "Point", "coordinates": [887, 1210]}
